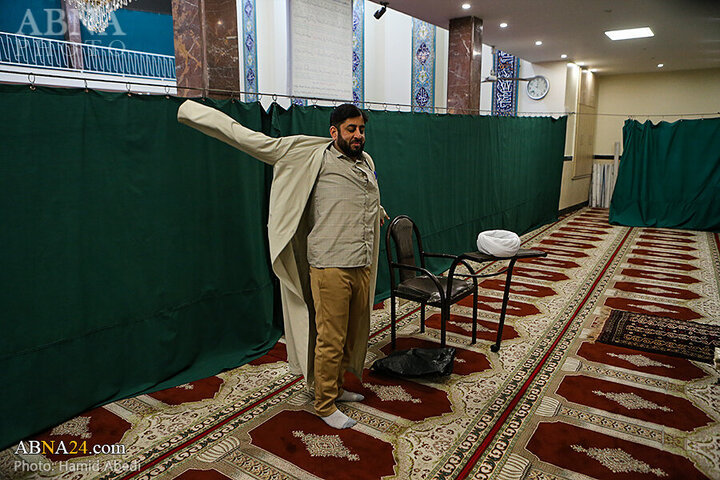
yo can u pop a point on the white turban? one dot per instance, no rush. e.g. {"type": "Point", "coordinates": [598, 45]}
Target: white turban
{"type": "Point", "coordinates": [499, 243]}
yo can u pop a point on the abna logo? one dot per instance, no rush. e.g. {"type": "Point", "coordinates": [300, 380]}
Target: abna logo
{"type": "Point", "coordinates": [56, 24]}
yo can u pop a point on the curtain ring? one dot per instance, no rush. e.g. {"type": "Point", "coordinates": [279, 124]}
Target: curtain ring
{"type": "Point", "coordinates": [167, 91]}
{"type": "Point", "coordinates": [385, 106]}
{"type": "Point", "coordinates": [127, 87]}
{"type": "Point", "coordinates": [31, 79]}
{"type": "Point", "coordinates": [398, 107]}
{"type": "Point", "coordinates": [314, 102]}
{"type": "Point", "coordinates": [86, 87]}
{"type": "Point", "coordinates": [274, 98]}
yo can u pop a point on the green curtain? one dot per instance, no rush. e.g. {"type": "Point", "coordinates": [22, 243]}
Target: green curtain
{"type": "Point", "coordinates": [454, 175]}
{"type": "Point", "coordinates": [135, 251]}
{"type": "Point", "coordinates": [134, 254]}
{"type": "Point", "coordinates": [669, 175]}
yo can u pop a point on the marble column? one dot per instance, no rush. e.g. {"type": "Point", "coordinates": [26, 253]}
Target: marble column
{"type": "Point", "coordinates": [464, 60]}
{"type": "Point", "coordinates": [206, 48]}
{"type": "Point", "coordinates": [73, 34]}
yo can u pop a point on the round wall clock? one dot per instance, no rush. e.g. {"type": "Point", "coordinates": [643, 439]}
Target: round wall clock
{"type": "Point", "coordinates": [537, 87]}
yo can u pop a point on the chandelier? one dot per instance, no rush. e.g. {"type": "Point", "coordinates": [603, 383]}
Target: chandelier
{"type": "Point", "coordinates": [95, 14]}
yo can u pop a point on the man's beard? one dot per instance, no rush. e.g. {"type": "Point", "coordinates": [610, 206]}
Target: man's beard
{"type": "Point", "coordinates": [346, 148]}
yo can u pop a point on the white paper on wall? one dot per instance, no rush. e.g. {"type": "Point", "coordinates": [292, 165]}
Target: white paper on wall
{"type": "Point", "coordinates": [321, 48]}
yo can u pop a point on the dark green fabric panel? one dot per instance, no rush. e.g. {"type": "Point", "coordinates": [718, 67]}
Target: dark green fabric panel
{"type": "Point", "coordinates": [455, 175]}
{"type": "Point", "coordinates": [669, 175]}
{"type": "Point", "coordinates": [134, 252]}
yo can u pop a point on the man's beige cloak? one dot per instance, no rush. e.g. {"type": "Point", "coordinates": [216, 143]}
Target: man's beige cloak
{"type": "Point", "coordinates": [296, 162]}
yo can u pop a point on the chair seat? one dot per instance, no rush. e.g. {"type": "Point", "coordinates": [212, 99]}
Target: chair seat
{"type": "Point", "coordinates": [423, 289]}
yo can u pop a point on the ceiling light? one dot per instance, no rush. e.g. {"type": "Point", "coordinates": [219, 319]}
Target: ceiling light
{"type": "Point", "coordinates": [503, 25]}
{"type": "Point", "coordinates": [660, 65]}
{"type": "Point", "coordinates": [96, 15]}
{"type": "Point", "coordinates": [641, 32]}
{"type": "Point", "coordinates": [538, 43]}
{"type": "Point", "coordinates": [563, 56]}
{"type": "Point", "coordinates": [593, 70]}
{"type": "Point", "coordinates": [381, 11]}
{"type": "Point", "coordinates": [466, 6]}
{"type": "Point", "coordinates": [582, 64]}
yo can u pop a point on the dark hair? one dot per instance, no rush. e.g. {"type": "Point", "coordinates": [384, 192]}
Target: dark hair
{"type": "Point", "coordinates": [345, 111]}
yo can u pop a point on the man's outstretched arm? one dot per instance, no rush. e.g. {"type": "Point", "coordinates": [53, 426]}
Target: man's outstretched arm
{"type": "Point", "coordinates": [218, 125]}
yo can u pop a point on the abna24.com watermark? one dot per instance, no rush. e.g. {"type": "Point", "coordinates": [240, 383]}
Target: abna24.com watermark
{"type": "Point", "coordinates": [37, 447]}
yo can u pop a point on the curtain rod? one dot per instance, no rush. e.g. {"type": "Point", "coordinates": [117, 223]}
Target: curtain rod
{"type": "Point", "coordinates": [234, 95]}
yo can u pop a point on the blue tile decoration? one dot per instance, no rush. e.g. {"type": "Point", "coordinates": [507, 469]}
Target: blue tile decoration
{"type": "Point", "coordinates": [358, 52]}
{"type": "Point", "coordinates": [249, 32]}
{"type": "Point", "coordinates": [423, 66]}
{"type": "Point", "coordinates": [504, 98]}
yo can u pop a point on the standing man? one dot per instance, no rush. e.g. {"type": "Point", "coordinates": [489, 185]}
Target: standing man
{"type": "Point", "coordinates": [323, 227]}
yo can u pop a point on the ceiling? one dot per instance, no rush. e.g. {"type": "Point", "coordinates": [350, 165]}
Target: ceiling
{"type": "Point", "coordinates": [687, 32]}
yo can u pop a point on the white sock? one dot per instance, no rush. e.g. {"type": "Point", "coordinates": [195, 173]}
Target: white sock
{"type": "Point", "coordinates": [338, 420]}
{"type": "Point", "coordinates": [350, 397]}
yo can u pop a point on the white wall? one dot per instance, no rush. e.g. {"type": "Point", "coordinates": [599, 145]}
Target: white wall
{"type": "Point", "coordinates": [388, 57]}
{"type": "Point", "coordinates": [661, 96]}
{"type": "Point", "coordinates": [442, 41]}
{"type": "Point", "coordinates": [554, 102]}
{"type": "Point", "coordinates": [572, 92]}
{"type": "Point", "coordinates": [486, 88]}
{"type": "Point", "coordinates": [272, 49]}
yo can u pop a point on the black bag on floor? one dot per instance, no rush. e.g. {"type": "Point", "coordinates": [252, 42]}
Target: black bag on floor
{"type": "Point", "coordinates": [417, 362]}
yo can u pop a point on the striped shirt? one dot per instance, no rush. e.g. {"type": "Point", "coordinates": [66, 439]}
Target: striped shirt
{"type": "Point", "coordinates": [343, 209]}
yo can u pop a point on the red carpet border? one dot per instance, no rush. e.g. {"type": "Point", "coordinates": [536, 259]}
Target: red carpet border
{"type": "Point", "coordinates": [551, 404]}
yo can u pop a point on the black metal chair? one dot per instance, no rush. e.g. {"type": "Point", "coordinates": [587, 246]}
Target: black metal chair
{"type": "Point", "coordinates": [420, 285]}
{"type": "Point", "coordinates": [480, 257]}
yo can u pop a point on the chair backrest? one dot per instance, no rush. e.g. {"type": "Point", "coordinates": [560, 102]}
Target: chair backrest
{"type": "Point", "coordinates": [401, 231]}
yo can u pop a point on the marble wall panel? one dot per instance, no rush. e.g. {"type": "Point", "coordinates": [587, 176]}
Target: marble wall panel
{"type": "Point", "coordinates": [464, 61]}
{"type": "Point", "coordinates": [73, 34]}
{"type": "Point", "coordinates": [206, 47]}
{"type": "Point", "coordinates": [221, 43]}
{"type": "Point", "coordinates": [189, 47]}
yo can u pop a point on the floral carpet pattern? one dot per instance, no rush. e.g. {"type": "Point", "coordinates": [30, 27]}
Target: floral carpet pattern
{"type": "Point", "coordinates": [551, 404]}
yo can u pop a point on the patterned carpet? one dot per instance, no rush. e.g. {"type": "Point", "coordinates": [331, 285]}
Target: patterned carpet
{"type": "Point", "coordinates": [551, 404]}
{"type": "Point", "coordinates": [652, 333]}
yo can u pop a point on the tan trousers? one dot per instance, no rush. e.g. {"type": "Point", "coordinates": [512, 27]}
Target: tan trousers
{"type": "Point", "coordinates": [342, 303]}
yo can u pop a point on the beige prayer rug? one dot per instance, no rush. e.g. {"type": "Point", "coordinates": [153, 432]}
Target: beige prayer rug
{"type": "Point", "coordinates": [551, 404]}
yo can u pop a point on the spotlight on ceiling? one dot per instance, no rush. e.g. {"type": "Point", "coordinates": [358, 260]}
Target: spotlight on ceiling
{"type": "Point", "coordinates": [382, 11]}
